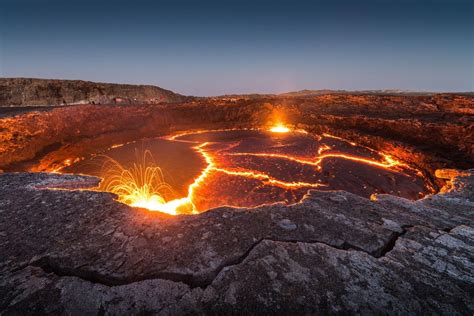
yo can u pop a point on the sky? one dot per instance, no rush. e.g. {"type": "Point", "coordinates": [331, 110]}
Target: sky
{"type": "Point", "coordinates": [220, 47]}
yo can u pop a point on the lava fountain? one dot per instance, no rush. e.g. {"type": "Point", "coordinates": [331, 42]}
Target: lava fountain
{"type": "Point", "coordinates": [142, 185]}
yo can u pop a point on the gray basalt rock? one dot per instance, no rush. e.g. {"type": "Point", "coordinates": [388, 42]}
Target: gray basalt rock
{"type": "Point", "coordinates": [67, 249]}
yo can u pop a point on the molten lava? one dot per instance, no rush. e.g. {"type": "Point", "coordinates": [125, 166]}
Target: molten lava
{"type": "Point", "coordinates": [279, 128]}
{"type": "Point", "coordinates": [246, 168]}
{"type": "Point", "coordinates": [142, 185]}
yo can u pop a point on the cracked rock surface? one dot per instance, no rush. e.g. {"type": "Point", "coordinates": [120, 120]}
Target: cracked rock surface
{"type": "Point", "coordinates": [66, 249]}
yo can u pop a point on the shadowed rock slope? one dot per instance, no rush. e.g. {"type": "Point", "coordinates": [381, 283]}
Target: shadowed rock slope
{"type": "Point", "coordinates": [72, 251]}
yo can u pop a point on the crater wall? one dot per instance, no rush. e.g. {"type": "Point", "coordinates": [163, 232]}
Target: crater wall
{"type": "Point", "coordinates": [430, 132]}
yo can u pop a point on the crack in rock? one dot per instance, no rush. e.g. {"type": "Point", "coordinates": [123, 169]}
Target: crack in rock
{"type": "Point", "coordinates": [52, 265]}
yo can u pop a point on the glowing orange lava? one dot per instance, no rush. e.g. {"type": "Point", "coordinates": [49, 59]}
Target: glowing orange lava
{"type": "Point", "coordinates": [316, 161]}
{"type": "Point", "coordinates": [143, 185]}
{"type": "Point", "coordinates": [279, 128]}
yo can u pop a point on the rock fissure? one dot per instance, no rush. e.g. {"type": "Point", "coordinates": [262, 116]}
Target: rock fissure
{"type": "Point", "coordinates": [52, 265]}
{"type": "Point", "coordinates": [393, 240]}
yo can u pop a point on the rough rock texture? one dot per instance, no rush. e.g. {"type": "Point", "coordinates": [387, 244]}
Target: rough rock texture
{"type": "Point", "coordinates": [67, 250]}
{"type": "Point", "coordinates": [29, 92]}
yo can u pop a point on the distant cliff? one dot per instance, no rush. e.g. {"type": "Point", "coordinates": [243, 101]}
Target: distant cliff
{"type": "Point", "coordinates": [26, 92]}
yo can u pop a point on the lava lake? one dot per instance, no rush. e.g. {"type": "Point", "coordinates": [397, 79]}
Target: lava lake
{"type": "Point", "coordinates": [248, 168]}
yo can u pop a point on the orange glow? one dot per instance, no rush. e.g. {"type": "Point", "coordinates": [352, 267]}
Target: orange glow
{"type": "Point", "coordinates": [195, 132]}
{"type": "Point", "coordinates": [266, 179]}
{"type": "Point", "coordinates": [339, 138]}
{"type": "Point", "coordinates": [156, 203]}
{"type": "Point", "coordinates": [316, 161]}
{"type": "Point", "coordinates": [279, 128]}
{"type": "Point", "coordinates": [63, 164]}
{"type": "Point", "coordinates": [142, 185]}
{"type": "Point", "coordinates": [323, 148]}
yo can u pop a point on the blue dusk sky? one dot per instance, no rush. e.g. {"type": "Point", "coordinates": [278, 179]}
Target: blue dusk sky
{"type": "Point", "coordinates": [217, 47]}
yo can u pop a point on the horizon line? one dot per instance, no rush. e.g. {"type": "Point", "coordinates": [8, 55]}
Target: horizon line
{"type": "Point", "coordinates": [368, 90]}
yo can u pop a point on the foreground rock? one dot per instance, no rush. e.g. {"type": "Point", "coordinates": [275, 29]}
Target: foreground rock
{"type": "Point", "coordinates": [72, 251]}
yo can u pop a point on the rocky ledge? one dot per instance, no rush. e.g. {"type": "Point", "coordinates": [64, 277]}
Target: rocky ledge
{"type": "Point", "coordinates": [69, 250]}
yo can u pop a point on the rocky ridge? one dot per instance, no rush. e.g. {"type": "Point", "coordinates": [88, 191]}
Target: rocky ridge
{"type": "Point", "coordinates": [31, 92]}
{"type": "Point", "coordinates": [67, 249]}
